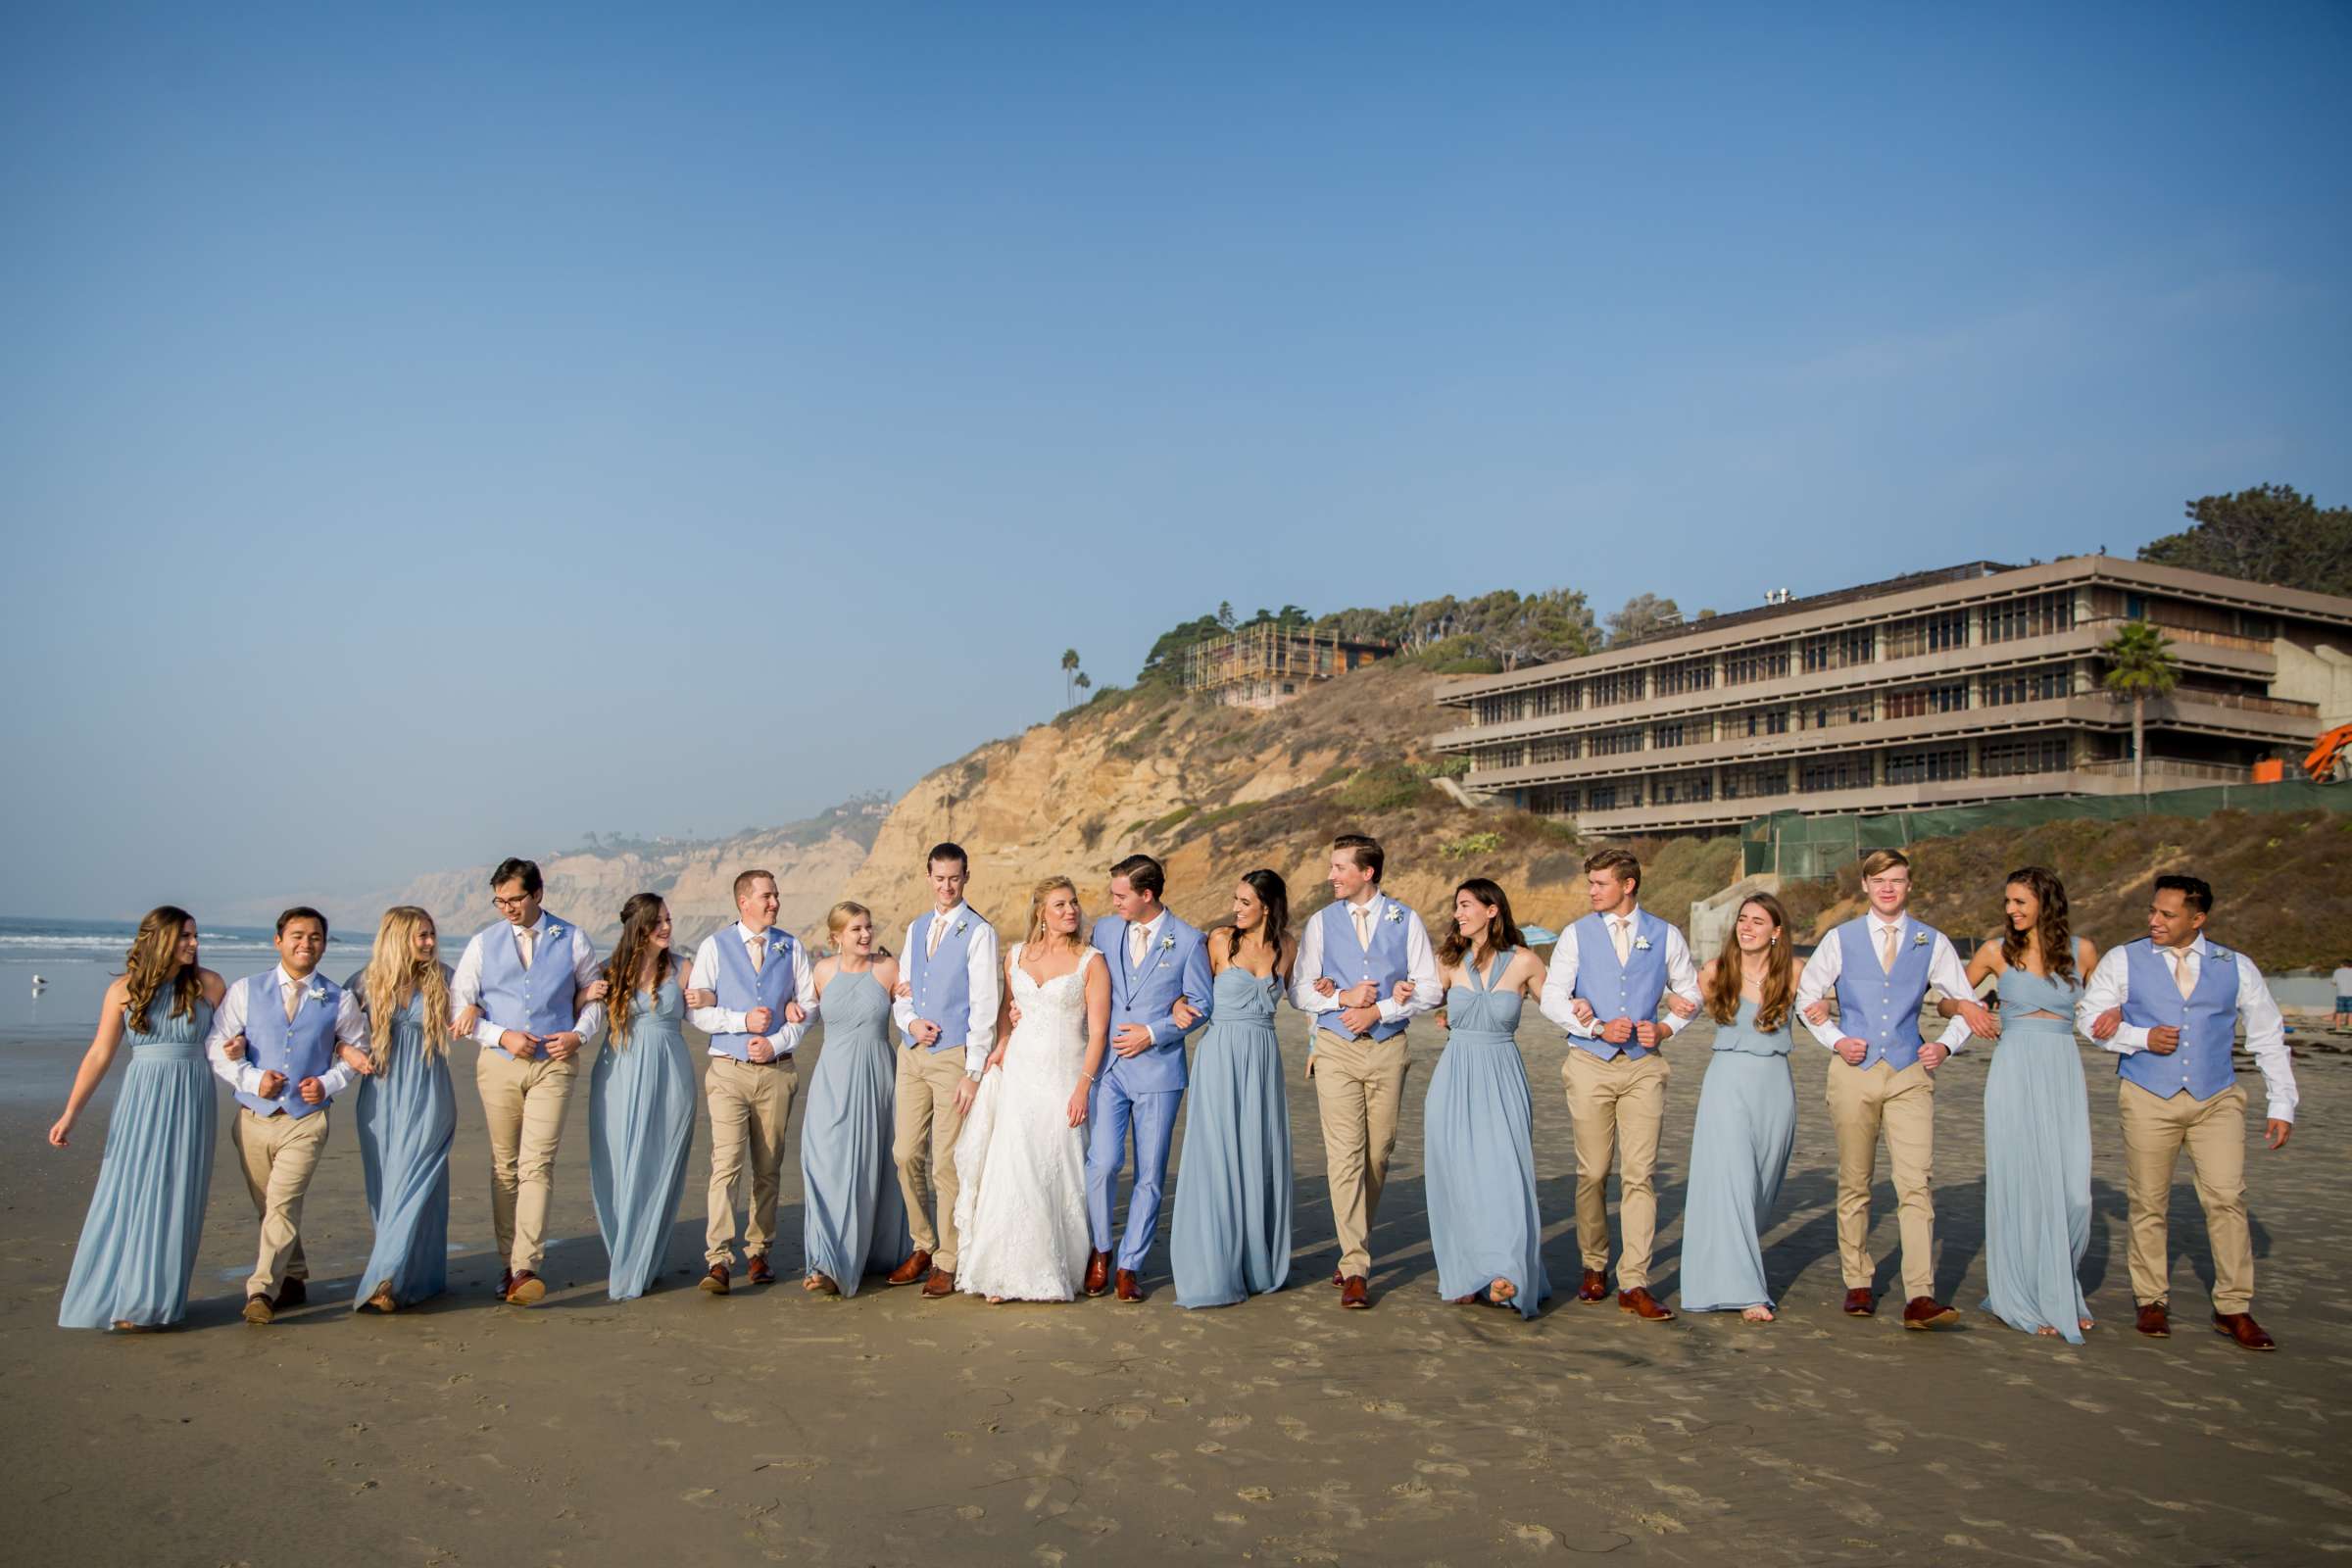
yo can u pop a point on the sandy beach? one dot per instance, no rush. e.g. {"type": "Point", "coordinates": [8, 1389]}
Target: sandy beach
{"type": "Point", "coordinates": [777, 1427]}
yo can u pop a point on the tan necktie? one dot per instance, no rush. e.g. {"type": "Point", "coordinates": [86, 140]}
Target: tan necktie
{"type": "Point", "coordinates": [524, 940]}
{"type": "Point", "coordinates": [1363, 926]}
{"type": "Point", "coordinates": [1886, 947]}
{"type": "Point", "coordinates": [1619, 935]}
{"type": "Point", "coordinates": [1137, 936]}
{"type": "Point", "coordinates": [2182, 980]}
{"type": "Point", "coordinates": [939, 925]}
{"type": "Point", "coordinates": [756, 947]}
{"type": "Point", "coordinates": [294, 1000]}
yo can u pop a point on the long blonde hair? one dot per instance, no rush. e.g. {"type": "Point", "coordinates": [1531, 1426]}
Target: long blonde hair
{"type": "Point", "coordinates": [152, 959]}
{"type": "Point", "coordinates": [394, 974]}
{"type": "Point", "coordinates": [1037, 896]}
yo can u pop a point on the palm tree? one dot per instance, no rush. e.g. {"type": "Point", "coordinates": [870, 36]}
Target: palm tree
{"type": "Point", "coordinates": [1069, 667]}
{"type": "Point", "coordinates": [1085, 681]}
{"type": "Point", "coordinates": [2139, 666]}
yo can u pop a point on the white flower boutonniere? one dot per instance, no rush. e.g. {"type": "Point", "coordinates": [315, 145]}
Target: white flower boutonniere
{"type": "Point", "coordinates": [962, 927]}
{"type": "Point", "coordinates": [316, 993]}
{"type": "Point", "coordinates": [1641, 944]}
{"type": "Point", "coordinates": [1918, 938]}
{"type": "Point", "coordinates": [1167, 943]}
{"type": "Point", "coordinates": [554, 931]}
{"type": "Point", "coordinates": [1395, 916]}
{"type": "Point", "coordinates": [2220, 954]}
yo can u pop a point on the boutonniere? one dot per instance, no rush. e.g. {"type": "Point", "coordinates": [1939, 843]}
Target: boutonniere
{"type": "Point", "coordinates": [1395, 916]}
{"type": "Point", "coordinates": [1641, 944]}
{"type": "Point", "coordinates": [1167, 943]}
{"type": "Point", "coordinates": [962, 927]}
{"type": "Point", "coordinates": [553, 930]}
{"type": "Point", "coordinates": [2212, 952]}
{"type": "Point", "coordinates": [316, 993]}
{"type": "Point", "coordinates": [1918, 938]}
{"type": "Point", "coordinates": [777, 944]}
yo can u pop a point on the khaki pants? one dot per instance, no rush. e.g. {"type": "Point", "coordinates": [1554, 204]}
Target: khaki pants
{"type": "Point", "coordinates": [924, 1148]}
{"type": "Point", "coordinates": [279, 1154]}
{"type": "Point", "coordinates": [1617, 1107]}
{"type": "Point", "coordinates": [750, 1108]}
{"type": "Point", "coordinates": [2215, 1132]}
{"type": "Point", "coordinates": [523, 1107]}
{"type": "Point", "coordinates": [1865, 1102]}
{"type": "Point", "coordinates": [1359, 1084]}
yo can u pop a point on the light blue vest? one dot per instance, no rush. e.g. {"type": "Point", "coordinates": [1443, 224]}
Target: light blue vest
{"type": "Point", "coordinates": [302, 1049]}
{"type": "Point", "coordinates": [1630, 990]}
{"type": "Point", "coordinates": [541, 1000]}
{"type": "Point", "coordinates": [1879, 1007]}
{"type": "Point", "coordinates": [2200, 1066]}
{"type": "Point", "coordinates": [942, 981]}
{"type": "Point", "coordinates": [1349, 964]}
{"type": "Point", "coordinates": [742, 989]}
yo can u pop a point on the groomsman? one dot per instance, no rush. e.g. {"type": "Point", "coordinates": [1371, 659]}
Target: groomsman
{"type": "Point", "coordinates": [290, 1020]}
{"type": "Point", "coordinates": [945, 1011]}
{"type": "Point", "coordinates": [766, 1002]}
{"type": "Point", "coordinates": [2169, 1005]}
{"type": "Point", "coordinates": [1351, 958]}
{"type": "Point", "coordinates": [1156, 960]}
{"type": "Point", "coordinates": [1880, 965]}
{"type": "Point", "coordinates": [1604, 987]}
{"type": "Point", "coordinates": [523, 975]}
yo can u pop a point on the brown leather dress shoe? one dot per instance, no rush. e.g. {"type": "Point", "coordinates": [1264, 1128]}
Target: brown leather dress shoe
{"type": "Point", "coordinates": [941, 1283]}
{"type": "Point", "coordinates": [1595, 1287]}
{"type": "Point", "coordinates": [258, 1310]}
{"type": "Point", "coordinates": [1130, 1288]}
{"type": "Point", "coordinates": [529, 1290]}
{"type": "Point", "coordinates": [716, 1280]}
{"type": "Point", "coordinates": [2153, 1321]}
{"type": "Point", "coordinates": [1926, 1313]}
{"type": "Point", "coordinates": [1356, 1292]}
{"type": "Point", "coordinates": [911, 1272]}
{"type": "Point", "coordinates": [755, 1270]}
{"type": "Point", "coordinates": [1859, 1303]}
{"type": "Point", "coordinates": [1642, 1306]}
{"type": "Point", "coordinates": [293, 1292]}
{"type": "Point", "coordinates": [2241, 1327]}
{"type": "Point", "coordinates": [1098, 1273]}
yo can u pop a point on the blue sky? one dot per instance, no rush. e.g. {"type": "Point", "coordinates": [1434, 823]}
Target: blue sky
{"type": "Point", "coordinates": [435, 432]}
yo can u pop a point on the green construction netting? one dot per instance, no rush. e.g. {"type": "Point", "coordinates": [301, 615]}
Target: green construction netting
{"type": "Point", "coordinates": [1813, 846]}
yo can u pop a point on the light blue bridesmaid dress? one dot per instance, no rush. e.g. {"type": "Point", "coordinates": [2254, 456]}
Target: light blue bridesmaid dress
{"type": "Point", "coordinates": [854, 1220]}
{"type": "Point", "coordinates": [640, 1121]}
{"type": "Point", "coordinates": [1231, 1235]}
{"type": "Point", "coordinates": [2036, 1160]}
{"type": "Point", "coordinates": [138, 1243]}
{"type": "Point", "coordinates": [1738, 1154]}
{"type": "Point", "coordinates": [1479, 1148]}
{"type": "Point", "coordinates": [407, 1114]}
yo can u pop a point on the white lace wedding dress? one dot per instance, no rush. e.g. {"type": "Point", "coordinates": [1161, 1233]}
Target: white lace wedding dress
{"type": "Point", "coordinates": [1022, 1213]}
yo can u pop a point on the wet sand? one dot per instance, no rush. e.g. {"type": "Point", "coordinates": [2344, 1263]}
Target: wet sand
{"type": "Point", "coordinates": [771, 1426]}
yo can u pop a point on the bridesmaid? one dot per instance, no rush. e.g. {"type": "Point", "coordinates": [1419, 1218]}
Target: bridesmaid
{"type": "Point", "coordinates": [854, 1218]}
{"type": "Point", "coordinates": [407, 1113]}
{"type": "Point", "coordinates": [1746, 1115]}
{"type": "Point", "coordinates": [640, 1097]}
{"type": "Point", "coordinates": [138, 1244]}
{"type": "Point", "coordinates": [2037, 1113]}
{"type": "Point", "coordinates": [1231, 1236]}
{"type": "Point", "coordinates": [1479, 1150]}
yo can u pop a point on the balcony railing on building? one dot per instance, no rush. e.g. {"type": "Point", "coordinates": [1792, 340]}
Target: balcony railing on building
{"type": "Point", "coordinates": [1266, 665]}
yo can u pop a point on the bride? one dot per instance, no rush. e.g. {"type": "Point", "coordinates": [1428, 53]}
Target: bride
{"type": "Point", "coordinates": [1021, 1159]}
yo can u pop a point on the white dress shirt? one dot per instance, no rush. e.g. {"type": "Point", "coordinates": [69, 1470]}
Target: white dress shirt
{"type": "Point", "coordinates": [2266, 1031]}
{"type": "Point", "coordinates": [1558, 1001]}
{"type": "Point", "coordinates": [1946, 973]}
{"type": "Point", "coordinates": [727, 1021]}
{"type": "Point", "coordinates": [983, 976]}
{"type": "Point", "coordinates": [1420, 967]}
{"type": "Point", "coordinates": [466, 988]}
{"type": "Point", "coordinates": [228, 1022]}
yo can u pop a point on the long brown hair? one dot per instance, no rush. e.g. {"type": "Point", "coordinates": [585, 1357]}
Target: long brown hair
{"type": "Point", "coordinates": [1037, 896]}
{"type": "Point", "coordinates": [1274, 926]}
{"type": "Point", "coordinates": [394, 974]}
{"type": "Point", "coordinates": [1502, 932]}
{"type": "Point", "coordinates": [152, 959]}
{"type": "Point", "coordinates": [1778, 987]}
{"type": "Point", "coordinates": [2050, 927]}
{"type": "Point", "coordinates": [638, 917]}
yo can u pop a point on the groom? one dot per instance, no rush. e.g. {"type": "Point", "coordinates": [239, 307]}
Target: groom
{"type": "Point", "coordinates": [1156, 960]}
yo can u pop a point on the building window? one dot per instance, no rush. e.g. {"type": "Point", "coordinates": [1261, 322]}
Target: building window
{"type": "Point", "coordinates": [1756, 782]}
{"type": "Point", "coordinates": [1565, 698]}
{"type": "Point", "coordinates": [1503, 710]}
{"type": "Point", "coordinates": [2042, 754]}
{"type": "Point", "coordinates": [1490, 758]}
{"type": "Point", "coordinates": [1556, 749]}
{"type": "Point", "coordinates": [1756, 664]}
{"type": "Point", "coordinates": [1626, 686]}
{"type": "Point", "coordinates": [1681, 789]}
{"type": "Point", "coordinates": [1837, 649]}
{"type": "Point", "coordinates": [1552, 800]}
{"type": "Point", "coordinates": [1756, 722]}
{"type": "Point", "coordinates": [2042, 685]}
{"type": "Point", "coordinates": [1690, 675]}
{"type": "Point", "coordinates": [1831, 715]}
{"type": "Point", "coordinates": [1662, 736]}
{"type": "Point", "coordinates": [1928, 634]}
{"type": "Point", "coordinates": [1914, 702]}
{"type": "Point", "coordinates": [1927, 765]}
{"type": "Point", "coordinates": [1616, 742]}
{"type": "Point", "coordinates": [1835, 773]}
{"type": "Point", "coordinates": [1601, 798]}
{"type": "Point", "coordinates": [2034, 615]}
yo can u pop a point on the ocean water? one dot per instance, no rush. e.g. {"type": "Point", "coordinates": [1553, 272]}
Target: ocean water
{"type": "Point", "coordinates": [77, 959]}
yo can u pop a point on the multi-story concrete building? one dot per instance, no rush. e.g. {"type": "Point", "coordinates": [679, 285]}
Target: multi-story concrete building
{"type": "Point", "coordinates": [1976, 683]}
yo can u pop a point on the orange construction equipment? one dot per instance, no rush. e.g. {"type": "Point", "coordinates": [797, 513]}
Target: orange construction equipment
{"type": "Point", "coordinates": [2327, 757]}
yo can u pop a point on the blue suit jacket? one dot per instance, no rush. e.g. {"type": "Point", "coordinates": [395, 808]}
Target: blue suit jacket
{"type": "Point", "coordinates": [1176, 966]}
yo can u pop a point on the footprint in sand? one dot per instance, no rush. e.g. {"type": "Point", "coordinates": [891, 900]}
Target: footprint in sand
{"type": "Point", "coordinates": [1255, 1495]}
{"type": "Point", "coordinates": [1228, 1423]}
{"type": "Point", "coordinates": [1534, 1537]}
{"type": "Point", "coordinates": [1127, 1417]}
